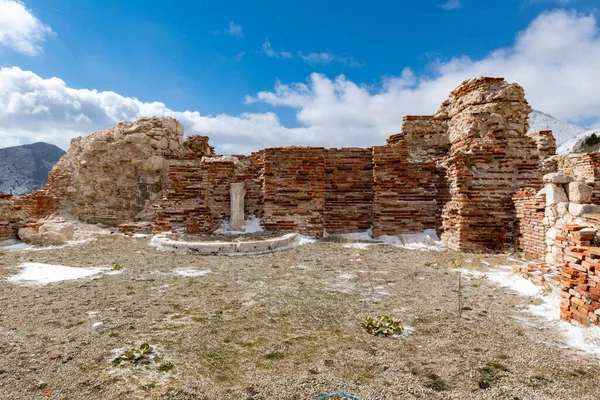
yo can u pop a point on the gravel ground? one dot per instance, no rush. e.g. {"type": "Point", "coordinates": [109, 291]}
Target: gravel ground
{"type": "Point", "coordinates": [284, 325]}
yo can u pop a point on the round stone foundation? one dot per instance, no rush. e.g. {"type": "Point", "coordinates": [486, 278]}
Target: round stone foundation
{"type": "Point", "coordinates": [234, 247]}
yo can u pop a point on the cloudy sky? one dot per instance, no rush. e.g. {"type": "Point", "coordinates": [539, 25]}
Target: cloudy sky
{"type": "Point", "coordinates": [263, 73]}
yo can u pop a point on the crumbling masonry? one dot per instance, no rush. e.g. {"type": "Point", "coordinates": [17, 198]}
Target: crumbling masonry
{"type": "Point", "coordinates": [469, 171]}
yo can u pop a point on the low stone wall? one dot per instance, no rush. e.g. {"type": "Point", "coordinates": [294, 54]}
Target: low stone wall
{"type": "Point", "coordinates": [224, 248]}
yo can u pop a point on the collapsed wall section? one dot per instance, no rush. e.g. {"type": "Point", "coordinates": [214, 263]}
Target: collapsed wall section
{"type": "Point", "coordinates": [348, 174]}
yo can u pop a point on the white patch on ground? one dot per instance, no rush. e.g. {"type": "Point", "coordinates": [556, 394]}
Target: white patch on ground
{"type": "Point", "coordinates": [427, 240]}
{"type": "Point", "coordinates": [302, 267]}
{"type": "Point", "coordinates": [586, 340]}
{"type": "Point", "coordinates": [14, 245]}
{"type": "Point", "coordinates": [252, 225]}
{"type": "Point", "coordinates": [506, 278]}
{"type": "Point", "coordinates": [408, 330]}
{"type": "Point", "coordinates": [43, 274]}
{"type": "Point", "coordinates": [366, 235]}
{"type": "Point", "coordinates": [141, 235]}
{"type": "Point", "coordinates": [191, 271]}
{"type": "Point", "coordinates": [469, 274]}
{"type": "Point", "coordinates": [346, 276]}
{"type": "Point", "coordinates": [25, 246]}
{"type": "Point", "coordinates": [358, 246]}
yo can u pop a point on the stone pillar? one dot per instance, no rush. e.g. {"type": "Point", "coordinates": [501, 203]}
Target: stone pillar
{"type": "Point", "coordinates": [237, 193]}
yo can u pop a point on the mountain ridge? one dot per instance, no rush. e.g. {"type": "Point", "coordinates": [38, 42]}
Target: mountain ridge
{"type": "Point", "coordinates": [24, 169]}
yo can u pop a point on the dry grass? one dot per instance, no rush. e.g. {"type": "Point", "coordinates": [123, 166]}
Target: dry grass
{"type": "Point", "coordinates": [278, 326]}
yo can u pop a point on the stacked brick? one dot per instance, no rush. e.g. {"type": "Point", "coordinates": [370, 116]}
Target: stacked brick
{"type": "Point", "coordinates": [583, 167]}
{"type": "Point", "coordinates": [197, 197]}
{"type": "Point", "coordinates": [294, 189]}
{"type": "Point", "coordinates": [405, 194]}
{"type": "Point", "coordinates": [546, 145]}
{"type": "Point", "coordinates": [490, 159]}
{"type": "Point", "coordinates": [540, 274]}
{"type": "Point", "coordinates": [10, 216]}
{"type": "Point", "coordinates": [425, 136]}
{"type": "Point", "coordinates": [348, 190]}
{"type": "Point", "coordinates": [580, 281]}
{"type": "Point", "coordinates": [531, 232]}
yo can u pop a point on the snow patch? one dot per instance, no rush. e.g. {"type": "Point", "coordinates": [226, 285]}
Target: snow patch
{"type": "Point", "coordinates": [191, 271]}
{"type": "Point", "coordinates": [366, 235]}
{"type": "Point", "coordinates": [43, 274]}
{"type": "Point", "coordinates": [586, 340]}
{"type": "Point", "coordinates": [358, 246]}
{"type": "Point", "coordinates": [252, 225]}
{"type": "Point", "coordinates": [427, 240]}
{"type": "Point", "coordinates": [14, 245]}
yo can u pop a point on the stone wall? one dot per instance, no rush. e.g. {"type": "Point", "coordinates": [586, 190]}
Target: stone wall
{"type": "Point", "coordinates": [490, 159]}
{"type": "Point", "coordinates": [583, 167]}
{"type": "Point", "coordinates": [197, 195]}
{"type": "Point", "coordinates": [455, 171]}
{"type": "Point", "coordinates": [10, 216]}
{"type": "Point", "coordinates": [348, 190]}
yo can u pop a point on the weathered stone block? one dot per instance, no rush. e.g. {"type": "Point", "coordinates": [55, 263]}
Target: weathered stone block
{"type": "Point", "coordinates": [555, 194]}
{"type": "Point", "coordinates": [557, 178]}
{"type": "Point", "coordinates": [579, 192]}
{"type": "Point", "coordinates": [577, 210]}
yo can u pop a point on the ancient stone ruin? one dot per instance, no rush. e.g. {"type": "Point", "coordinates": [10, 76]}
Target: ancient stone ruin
{"type": "Point", "coordinates": [469, 171]}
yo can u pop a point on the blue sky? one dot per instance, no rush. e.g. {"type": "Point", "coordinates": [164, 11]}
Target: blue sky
{"type": "Point", "coordinates": [225, 58]}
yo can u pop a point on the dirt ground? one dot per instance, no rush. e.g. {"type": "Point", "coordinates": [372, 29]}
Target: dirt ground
{"type": "Point", "coordinates": [285, 325]}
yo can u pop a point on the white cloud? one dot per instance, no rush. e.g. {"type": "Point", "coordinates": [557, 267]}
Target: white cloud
{"type": "Point", "coordinates": [555, 59]}
{"type": "Point", "coordinates": [234, 29]}
{"type": "Point", "coordinates": [452, 5]}
{"type": "Point", "coordinates": [267, 50]}
{"type": "Point", "coordinates": [324, 58]}
{"type": "Point", "coordinates": [20, 30]}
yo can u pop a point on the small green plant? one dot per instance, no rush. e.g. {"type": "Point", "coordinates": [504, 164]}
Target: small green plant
{"type": "Point", "coordinates": [166, 366]}
{"type": "Point", "coordinates": [436, 383]}
{"type": "Point", "coordinates": [274, 356]}
{"type": "Point", "coordinates": [490, 374]}
{"type": "Point", "coordinates": [383, 325]}
{"type": "Point", "coordinates": [141, 355]}
{"type": "Point", "coordinates": [117, 267]}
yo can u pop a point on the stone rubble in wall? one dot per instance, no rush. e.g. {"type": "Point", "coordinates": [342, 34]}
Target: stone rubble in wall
{"type": "Point", "coordinates": [490, 159]}
{"type": "Point", "coordinates": [458, 168]}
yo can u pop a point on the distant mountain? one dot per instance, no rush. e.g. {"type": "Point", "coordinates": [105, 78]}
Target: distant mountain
{"type": "Point", "coordinates": [569, 138]}
{"type": "Point", "coordinates": [24, 169]}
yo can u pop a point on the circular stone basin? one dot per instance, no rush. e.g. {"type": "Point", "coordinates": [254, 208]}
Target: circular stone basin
{"type": "Point", "coordinates": [234, 245]}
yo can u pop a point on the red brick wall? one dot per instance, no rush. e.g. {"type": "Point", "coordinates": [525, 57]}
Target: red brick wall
{"type": "Point", "coordinates": [348, 190]}
{"type": "Point", "coordinates": [530, 228]}
{"type": "Point", "coordinates": [294, 189]}
{"type": "Point", "coordinates": [405, 194]}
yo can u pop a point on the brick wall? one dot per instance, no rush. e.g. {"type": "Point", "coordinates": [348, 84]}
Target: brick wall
{"type": "Point", "coordinates": [405, 194]}
{"type": "Point", "coordinates": [490, 159]}
{"type": "Point", "coordinates": [294, 189]}
{"type": "Point", "coordinates": [584, 167]}
{"type": "Point", "coordinates": [348, 190]}
{"type": "Point", "coordinates": [530, 228]}
{"type": "Point", "coordinates": [580, 281]}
